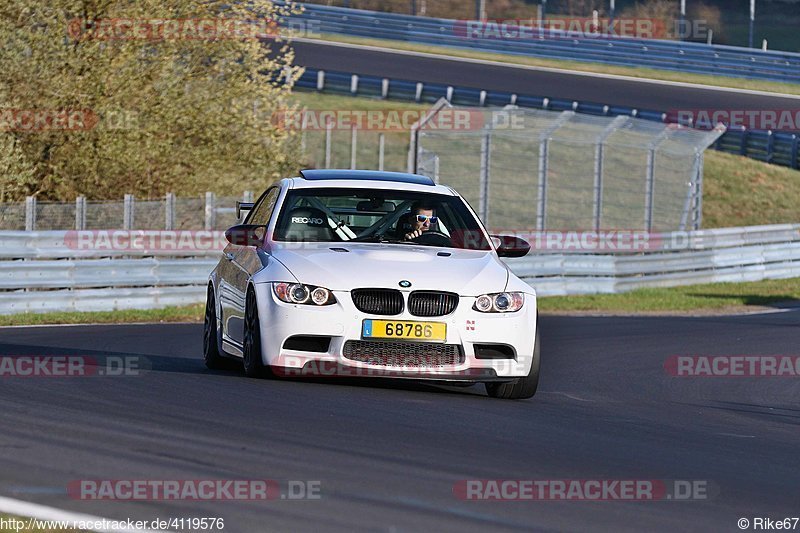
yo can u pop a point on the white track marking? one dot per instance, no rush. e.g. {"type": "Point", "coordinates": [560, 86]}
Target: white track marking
{"type": "Point", "coordinates": [42, 512]}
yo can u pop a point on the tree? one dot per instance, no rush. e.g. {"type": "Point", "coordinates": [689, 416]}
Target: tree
{"type": "Point", "coordinates": [166, 95]}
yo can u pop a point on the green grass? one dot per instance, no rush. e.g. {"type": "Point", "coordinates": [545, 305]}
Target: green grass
{"type": "Point", "coordinates": [711, 297]}
{"type": "Point", "coordinates": [739, 191]}
{"type": "Point", "coordinates": [649, 73]}
{"type": "Point", "coordinates": [192, 313]}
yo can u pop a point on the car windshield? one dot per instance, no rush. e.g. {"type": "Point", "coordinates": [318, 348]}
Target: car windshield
{"type": "Point", "coordinates": [378, 215]}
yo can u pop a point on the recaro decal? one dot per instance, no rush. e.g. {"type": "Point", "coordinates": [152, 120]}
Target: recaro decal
{"type": "Point", "coordinates": [307, 220]}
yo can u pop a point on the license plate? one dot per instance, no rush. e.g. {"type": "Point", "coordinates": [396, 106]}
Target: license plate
{"type": "Point", "coordinates": [401, 329]}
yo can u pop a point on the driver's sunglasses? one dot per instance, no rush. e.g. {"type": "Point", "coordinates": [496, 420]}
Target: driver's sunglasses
{"type": "Point", "coordinates": [422, 218]}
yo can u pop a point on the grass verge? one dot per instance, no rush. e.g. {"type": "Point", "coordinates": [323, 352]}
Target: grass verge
{"type": "Point", "coordinates": [739, 191]}
{"type": "Point", "coordinates": [192, 313]}
{"type": "Point", "coordinates": [599, 68]}
{"type": "Point", "coordinates": [714, 297]}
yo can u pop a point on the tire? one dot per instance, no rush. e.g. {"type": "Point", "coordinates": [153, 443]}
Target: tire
{"type": "Point", "coordinates": [211, 354]}
{"type": "Point", "coordinates": [251, 354]}
{"type": "Point", "coordinates": [520, 388]}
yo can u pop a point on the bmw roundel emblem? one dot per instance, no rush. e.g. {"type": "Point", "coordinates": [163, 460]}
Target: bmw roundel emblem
{"type": "Point", "coordinates": [405, 283]}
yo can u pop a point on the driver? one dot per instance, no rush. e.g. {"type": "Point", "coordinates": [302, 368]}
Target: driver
{"type": "Point", "coordinates": [423, 217]}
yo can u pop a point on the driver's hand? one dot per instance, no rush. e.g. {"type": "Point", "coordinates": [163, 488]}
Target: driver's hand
{"type": "Point", "coordinates": [413, 235]}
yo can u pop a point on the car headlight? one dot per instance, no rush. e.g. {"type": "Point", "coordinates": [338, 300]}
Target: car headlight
{"type": "Point", "coordinates": [499, 302]}
{"type": "Point", "coordinates": [297, 293]}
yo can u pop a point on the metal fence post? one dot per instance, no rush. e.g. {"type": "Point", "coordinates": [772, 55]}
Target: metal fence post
{"type": "Point", "coordinates": [770, 146]}
{"type": "Point", "coordinates": [328, 134]}
{"type": "Point", "coordinates": [690, 203]}
{"type": "Point", "coordinates": [598, 184]}
{"type": "Point", "coordinates": [169, 212]}
{"type": "Point", "coordinates": [353, 146]}
{"type": "Point", "coordinates": [541, 202]}
{"type": "Point", "coordinates": [247, 196]}
{"type": "Point", "coordinates": [650, 178]}
{"type": "Point", "coordinates": [698, 208]}
{"type": "Point", "coordinates": [381, 150]}
{"type": "Point", "coordinates": [211, 211]}
{"type": "Point", "coordinates": [436, 169]}
{"type": "Point", "coordinates": [483, 185]}
{"type": "Point", "coordinates": [544, 146]}
{"type": "Point", "coordinates": [795, 151]}
{"type": "Point", "coordinates": [649, 188]}
{"type": "Point", "coordinates": [413, 150]}
{"type": "Point", "coordinates": [80, 213]}
{"type": "Point", "coordinates": [128, 214]}
{"type": "Point", "coordinates": [303, 131]}
{"type": "Point", "coordinates": [599, 156]}
{"type": "Point", "coordinates": [30, 213]}
{"type": "Point", "coordinates": [743, 141]}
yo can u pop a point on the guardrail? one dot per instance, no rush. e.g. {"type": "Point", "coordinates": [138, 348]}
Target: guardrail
{"type": "Point", "coordinates": [708, 256]}
{"type": "Point", "coordinates": [661, 54]}
{"type": "Point", "coordinates": [103, 280]}
{"type": "Point", "coordinates": [52, 271]}
{"type": "Point", "coordinates": [776, 148]}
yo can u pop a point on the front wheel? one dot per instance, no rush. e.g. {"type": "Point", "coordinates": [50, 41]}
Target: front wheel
{"type": "Point", "coordinates": [211, 355]}
{"type": "Point", "coordinates": [520, 388]}
{"type": "Point", "coordinates": [251, 354]}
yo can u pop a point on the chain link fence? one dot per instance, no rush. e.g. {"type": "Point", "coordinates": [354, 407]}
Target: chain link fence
{"type": "Point", "coordinates": [208, 212]}
{"type": "Point", "coordinates": [354, 148]}
{"type": "Point", "coordinates": [545, 170]}
{"type": "Point", "coordinates": [520, 168]}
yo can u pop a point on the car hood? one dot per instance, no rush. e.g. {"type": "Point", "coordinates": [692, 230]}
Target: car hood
{"type": "Point", "coordinates": [465, 272]}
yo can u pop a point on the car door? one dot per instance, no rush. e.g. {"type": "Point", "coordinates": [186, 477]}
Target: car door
{"type": "Point", "coordinates": [243, 262]}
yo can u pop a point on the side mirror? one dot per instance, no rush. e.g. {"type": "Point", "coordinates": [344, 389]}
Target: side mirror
{"type": "Point", "coordinates": [511, 246]}
{"type": "Point", "coordinates": [246, 235]}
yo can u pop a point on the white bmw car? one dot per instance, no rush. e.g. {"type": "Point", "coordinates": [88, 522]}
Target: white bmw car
{"type": "Point", "coordinates": [362, 273]}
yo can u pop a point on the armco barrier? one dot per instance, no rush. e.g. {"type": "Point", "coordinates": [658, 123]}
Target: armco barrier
{"type": "Point", "coordinates": [669, 55]}
{"type": "Point", "coordinates": [776, 148]}
{"type": "Point", "coordinates": [709, 256]}
{"type": "Point", "coordinates": [101, 282]}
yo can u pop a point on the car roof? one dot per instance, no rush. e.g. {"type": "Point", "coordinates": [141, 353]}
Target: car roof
{"type": "Point", "coordinates": [367, 179]}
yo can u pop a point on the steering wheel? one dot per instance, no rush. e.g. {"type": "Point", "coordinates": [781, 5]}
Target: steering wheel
{"type": "Point", "coordinates": [433, 238]}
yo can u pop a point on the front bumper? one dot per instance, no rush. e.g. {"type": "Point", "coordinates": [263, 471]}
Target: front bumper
{"type": "Point", "coordinates": [342, 322]}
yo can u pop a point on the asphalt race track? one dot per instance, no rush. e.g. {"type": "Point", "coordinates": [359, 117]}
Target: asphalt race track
{"type": "Point", "coordinates": [387, 455]}
{"type": "Point", "coordinates": [654, 95]}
